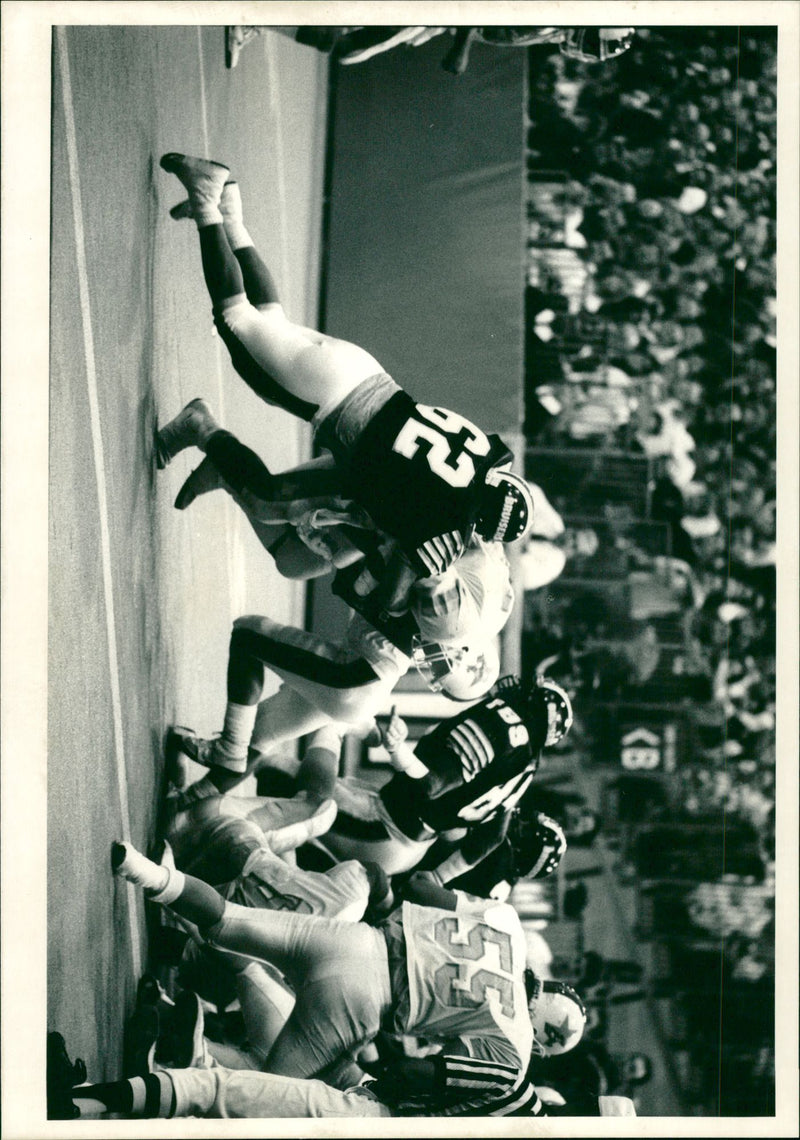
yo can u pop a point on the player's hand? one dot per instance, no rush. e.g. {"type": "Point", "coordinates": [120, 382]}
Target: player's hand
{"type": "Point", "coordinates": [365, 583]}
{"type": "Point", "coordinates": [395, 732]}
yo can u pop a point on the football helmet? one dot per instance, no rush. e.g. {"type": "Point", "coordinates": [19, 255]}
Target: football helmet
{"type": "Point", "coordinates": [596, 45]}
{"type": "Point", "coordinates": [506, 511]}
{"type": "Point", "coordinates": [462, 673]}
{"type": "Point", "coordinates": [543, 705]}
{"type": "Point", "coordinates": [538, 843]}
{"type": "Point", "coordinates": [558, 1017]}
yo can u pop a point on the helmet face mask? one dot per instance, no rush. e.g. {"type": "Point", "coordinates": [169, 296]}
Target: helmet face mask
{"type": "Point", "coordinates": [507, 511]}
{"type": "Point", "coordinates": [596, 45]}
{"type": "Point", "coordinates": [462, 673]}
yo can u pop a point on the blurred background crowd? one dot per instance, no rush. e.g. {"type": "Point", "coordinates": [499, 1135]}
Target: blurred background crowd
{"type": "Point", "coordinates": [651, 431]}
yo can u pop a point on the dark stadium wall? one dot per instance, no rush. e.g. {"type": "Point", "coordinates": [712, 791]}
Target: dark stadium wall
{"type": "Point", "coordinates": [425, 253]}
{"type": "Point", "coordinates": [424, 250]}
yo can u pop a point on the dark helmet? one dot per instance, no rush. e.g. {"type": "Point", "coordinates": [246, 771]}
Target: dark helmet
{"type": "Point", "coordinates": [506, 511]}
{"type": "Point", "coordinates": [543, 705]}
{"type": "Point", "coordinates": [538, 843]}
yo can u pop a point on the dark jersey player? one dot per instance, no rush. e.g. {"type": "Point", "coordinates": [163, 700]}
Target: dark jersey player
{"type": "Point", "coordinates": [428, 477]}
{"type": "Point", "coordinates": [467, 773]}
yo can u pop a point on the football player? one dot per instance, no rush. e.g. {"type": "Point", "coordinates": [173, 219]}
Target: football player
{"type": "Point", "coordinates": [234, 1094]}
{"type": "Point", "coordinates": [230, 841]}
{"type": "Point", "coordinates": [391, 453]}
{"type": "Point", "coordinates": [310, 537]}
{"type": "Point", "coordinates": [467, 773]}
{"type": "Point", "coordinates": [442, 966]}
{"type": "Point", "coordinates": [323, 683]}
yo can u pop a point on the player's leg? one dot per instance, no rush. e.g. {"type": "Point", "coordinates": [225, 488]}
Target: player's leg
{"type": "Point", "coordinates": [266, 1005]}
{"type": "Point", "coordinates": [212, 842]}
{"type": "Point", "coordinates": [327, 963]}
{"type": "Point", "coordinates": [216, 1094]}
{"type": "Point", "coordinates": [295, 367]}
{"type": "Point", "coordinates": [240, 1094]}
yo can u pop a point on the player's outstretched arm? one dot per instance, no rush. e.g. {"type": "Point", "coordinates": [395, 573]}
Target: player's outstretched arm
{"type": "Point", "coordinates": [401, 754]}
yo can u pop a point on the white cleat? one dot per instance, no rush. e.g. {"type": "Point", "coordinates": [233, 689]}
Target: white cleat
{"type": "Point", "coordinates": [130, 864]}
{"type": "Point", "coordinates": [191, 428]}
{"type": "Point", "coordinates": [203, 179]}
{"type": "Point", "coordinates": [230, 205]}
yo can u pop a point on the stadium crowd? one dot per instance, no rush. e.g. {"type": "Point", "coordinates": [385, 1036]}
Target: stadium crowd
{"type": "Point", "coordinates": [651, 330]}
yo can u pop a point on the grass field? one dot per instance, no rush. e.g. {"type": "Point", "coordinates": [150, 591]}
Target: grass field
{"type": "Point", "coordinates": [141, 597]}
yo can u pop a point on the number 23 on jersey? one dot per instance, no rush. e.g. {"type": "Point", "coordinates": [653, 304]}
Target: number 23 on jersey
{"type": "Point", "coordinates": [451, 459]}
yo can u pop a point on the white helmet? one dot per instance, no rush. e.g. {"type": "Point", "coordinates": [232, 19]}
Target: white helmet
{"type": "Point", "coordinates": [558, 1017]}
{"type": "Point", "coordinates": [461, 672]}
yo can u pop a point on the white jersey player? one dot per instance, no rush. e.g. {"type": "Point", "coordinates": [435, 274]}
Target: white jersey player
{"type": "Point", "coordinates": [446, 967]}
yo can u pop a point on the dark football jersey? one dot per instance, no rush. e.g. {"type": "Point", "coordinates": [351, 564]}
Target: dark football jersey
{"type": "Point", "coordinates": [479, 761]}
{"type": "Point", "coordinates": [420, 472]}
{"type": "Point", "coordinates": [399, 630]}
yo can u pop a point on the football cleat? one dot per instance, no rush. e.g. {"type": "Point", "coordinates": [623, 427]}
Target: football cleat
{"type": "Point", "coordinates": [506, 511]}
{"type": "Point", "coordinates": [236, 36]}
{"type": "Point", "coordinates": [62, 1077]}
{"type": "Point", "coordinates": [558, 1017]}
{"type": "Point", "coordinates": [130, 864]}
{"type": "Point", "coordinates": [141, 1035]}
{"type": "Point", "coordinates": [184, 741]}
{"type": "Point", "coordinates": [190, 428]}
{"type": "Point", "coordinates": [202, 480]}
{"type": "Point", "coordinates": [201, 176]}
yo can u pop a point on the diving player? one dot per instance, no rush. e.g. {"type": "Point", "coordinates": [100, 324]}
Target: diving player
{"type": "Point", "coordinates": [391, 453]}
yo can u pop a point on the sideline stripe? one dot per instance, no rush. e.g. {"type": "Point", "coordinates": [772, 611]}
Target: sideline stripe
{"type": "Point", "coordinates": [270, 48]}
{"type": "Point", "coordinates": [99, 467]}
{"type": "Point", "coordinates": [234, 550]}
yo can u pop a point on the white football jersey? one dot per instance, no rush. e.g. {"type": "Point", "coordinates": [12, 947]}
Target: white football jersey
{"type": "Point", "coordinates": [466, 974]}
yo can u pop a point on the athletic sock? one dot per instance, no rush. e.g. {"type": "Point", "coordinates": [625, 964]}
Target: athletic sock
{"type": "Point", "coordinates": [258, 281]}
{"type": "Point", "coordinates": [221, 270]}
{"type": "Point", "coordinates": [230, 749]}
{"type": "Point", "coordinates": [151, 1096]}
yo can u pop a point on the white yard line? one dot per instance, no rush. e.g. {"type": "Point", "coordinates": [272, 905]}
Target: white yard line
{"type": "Point", "coordinates": [234, 548]}
{"type": "Point", "coordinates": [280, 164]}
{"type": "Point", "coordinates": [99, 468]}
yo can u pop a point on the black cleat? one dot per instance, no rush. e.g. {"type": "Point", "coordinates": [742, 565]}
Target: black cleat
{"type": "Point", "coordinates": [62, 1077]}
